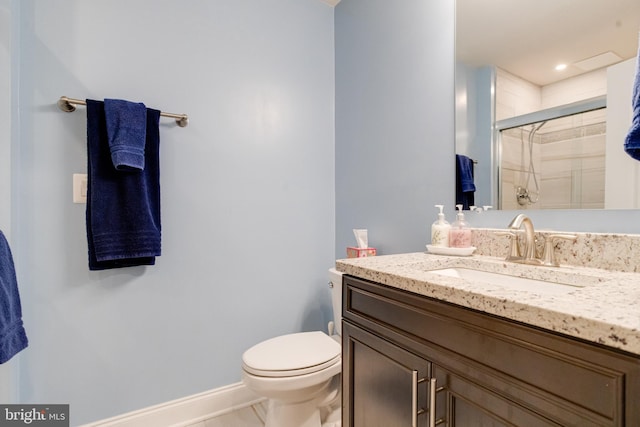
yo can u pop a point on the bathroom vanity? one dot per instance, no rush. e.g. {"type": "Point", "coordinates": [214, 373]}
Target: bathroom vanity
{"type": "Point", "coordinates": [422, 349]}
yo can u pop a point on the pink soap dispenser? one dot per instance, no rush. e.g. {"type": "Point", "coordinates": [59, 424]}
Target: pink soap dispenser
{"type": "Point", "coordinates": [460, 234]}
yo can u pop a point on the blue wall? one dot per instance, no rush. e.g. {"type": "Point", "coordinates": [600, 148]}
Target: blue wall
{"type": "Point", "coordinates": [9, 371]}
{"type": "Point", "coordinates": [394, 120]}
{"type": "Point", "coordinates": [5, 113]}
{"type": "Point", "coordinates": [247, 193]}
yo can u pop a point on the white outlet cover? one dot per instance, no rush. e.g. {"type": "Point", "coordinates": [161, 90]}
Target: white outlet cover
{"type": "Point", "coordinates": [79, 188]}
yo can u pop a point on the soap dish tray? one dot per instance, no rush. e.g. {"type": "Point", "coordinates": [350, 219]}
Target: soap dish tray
{"type": "Point", "coordinates": [441, 250]}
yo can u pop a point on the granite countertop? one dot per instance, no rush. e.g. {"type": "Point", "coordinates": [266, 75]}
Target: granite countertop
{"type": "Point", "coordinates": [605, 308]}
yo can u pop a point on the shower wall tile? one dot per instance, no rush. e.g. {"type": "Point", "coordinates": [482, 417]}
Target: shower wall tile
{"type": "Point", "coordinates": [516, 96]}
{"type": "Point", "coordinates": [573, 131]}
{"type": "Point", "coordinates": [584, 152]}
{"type": "Point", "coordinates": [593, 189]}
{"type": "Point", "coordinates": [574, 89]}
{"type": "Point", "coordinates": [556, 192]}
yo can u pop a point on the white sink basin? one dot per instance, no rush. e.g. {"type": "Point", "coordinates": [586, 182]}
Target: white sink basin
{"type": "Point", "coordinates": [508, 281]}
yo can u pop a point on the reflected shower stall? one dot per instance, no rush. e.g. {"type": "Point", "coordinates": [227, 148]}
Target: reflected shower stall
{"type": "Point", "coordinates": [556, 163]}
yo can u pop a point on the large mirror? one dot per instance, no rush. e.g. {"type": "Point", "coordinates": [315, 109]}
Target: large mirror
{"type": "Point", "coordinates": [543, 102]}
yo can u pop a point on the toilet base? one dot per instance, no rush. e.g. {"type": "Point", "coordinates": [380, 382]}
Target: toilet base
{"type": "Point", "coordinates": [302, 414]}
{"type": "Point", "coordinates": [305, 414]}
{"type": "Point", "coordinates": [321, 411]}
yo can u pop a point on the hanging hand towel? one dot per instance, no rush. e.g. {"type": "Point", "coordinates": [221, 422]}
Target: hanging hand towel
{"type": "Point", "coordinates": [465, 187]}
{"type": "Point", "coordinates": [123, 207]}
{"type": "Point", "coordinates": [13, 337]}
{"type": "Point", "coordinates": [127, 132]}
{"type": "Point", "coordinates": [632, 141]}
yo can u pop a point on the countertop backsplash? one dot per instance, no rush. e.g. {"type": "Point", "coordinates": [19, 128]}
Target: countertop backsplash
{"type": "Point", "coordinates": [617, 252]}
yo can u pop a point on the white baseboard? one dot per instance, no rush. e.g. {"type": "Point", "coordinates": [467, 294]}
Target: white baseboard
{"type": "Point", "coordinates": [187, 410]}
{"type": "Point", "coordinates": [331, 2]}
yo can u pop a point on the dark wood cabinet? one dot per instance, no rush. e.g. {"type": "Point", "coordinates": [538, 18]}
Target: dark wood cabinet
{"type": "Point", "coordinates": [411, 360]}
{"type": "Point", "coordinates": [392, 377]}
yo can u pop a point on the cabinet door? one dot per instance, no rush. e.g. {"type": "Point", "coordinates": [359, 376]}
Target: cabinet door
{"type": "Point", "coordinates": [383, 384]}
{"type": "Point", "coordinates": [462, 403]}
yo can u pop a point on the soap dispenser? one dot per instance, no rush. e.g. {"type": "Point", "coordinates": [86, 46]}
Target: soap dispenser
{"type": "Point", "coordinates": [440, 230]}
{"type": "Point", "coordinates": [460, 234]}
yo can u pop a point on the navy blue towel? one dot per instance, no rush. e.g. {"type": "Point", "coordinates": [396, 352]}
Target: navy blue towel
{"type": "Point", "coordinates": [13, 337]}
{"type": "Point", "coordinates": [465, 187]}
{"type": "Point", "coordinates": [127, 132]}
{"type": "Point", "coordinates": [632, 141]}
{"type": "Point", "coordinates": [123, 207]}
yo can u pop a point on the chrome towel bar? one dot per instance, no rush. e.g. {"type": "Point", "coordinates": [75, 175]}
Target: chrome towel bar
{"type": "Point", "coordinates": [67, 104]}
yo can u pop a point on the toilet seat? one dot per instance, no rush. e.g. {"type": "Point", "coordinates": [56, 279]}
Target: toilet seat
{"type": "Point", "coordinates": [292, 355]}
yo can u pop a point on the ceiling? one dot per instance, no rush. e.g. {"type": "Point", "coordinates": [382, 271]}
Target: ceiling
{"type": "Point", "coordinates": [529, 38]}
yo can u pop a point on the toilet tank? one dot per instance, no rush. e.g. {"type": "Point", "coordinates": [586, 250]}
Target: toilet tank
{"type": "Point", "coordinates": [335, 283]}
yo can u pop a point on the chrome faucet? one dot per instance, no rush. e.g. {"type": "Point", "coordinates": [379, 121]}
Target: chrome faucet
{"type": "Point", "coordinates": [529, 256]}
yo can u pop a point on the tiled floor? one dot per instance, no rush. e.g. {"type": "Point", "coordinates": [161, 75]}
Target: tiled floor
{"type": "Point", "coordinates": [253, 416]}
{"type": "Point", "coordinates": [247, 417]}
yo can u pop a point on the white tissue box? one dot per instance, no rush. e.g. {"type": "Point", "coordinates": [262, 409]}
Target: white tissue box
{"type": "Point", "coordinates": [353, 252]}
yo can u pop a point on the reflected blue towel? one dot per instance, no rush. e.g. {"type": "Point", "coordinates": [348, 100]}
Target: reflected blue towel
{"type": "Point", "coordinates": [13, 337]}
{"type": "Point", "coordinates": [127, 132]}
{"type": "Point", "coordinates": [465, 186]}
{"type": "Point", "coordinates": [123, 207]}
{"type": "Point", "coordinates": [465, 173]}
{"type": "Point", "coordinates": [632, 141]}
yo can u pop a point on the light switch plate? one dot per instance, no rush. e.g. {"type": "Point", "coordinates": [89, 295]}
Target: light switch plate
{"type": "Point", "coordinates": [79, 188]}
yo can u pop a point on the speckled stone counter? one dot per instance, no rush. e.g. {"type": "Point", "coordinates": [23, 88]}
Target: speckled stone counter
{"type": "Point", "coordinates": [608, 251]}
{"type": "Point", "coordinates": [605, 309]}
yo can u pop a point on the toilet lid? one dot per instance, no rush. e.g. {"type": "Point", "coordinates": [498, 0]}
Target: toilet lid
{"type": "Point", "coordinates": [293, 354]}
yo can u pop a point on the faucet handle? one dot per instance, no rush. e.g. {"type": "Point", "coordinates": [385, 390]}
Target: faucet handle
{"type": "Point", "coordinates": [549, 258]}
{"type": "Point", "coordinates": [514, 248]}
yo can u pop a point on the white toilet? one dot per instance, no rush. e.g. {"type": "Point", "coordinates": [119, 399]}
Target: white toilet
{"type": "Point", "coordinates": [300, 373]}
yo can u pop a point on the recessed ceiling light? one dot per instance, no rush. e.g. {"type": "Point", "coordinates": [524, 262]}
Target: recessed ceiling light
{"type": "Point", "coordinates": [561, 67]}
